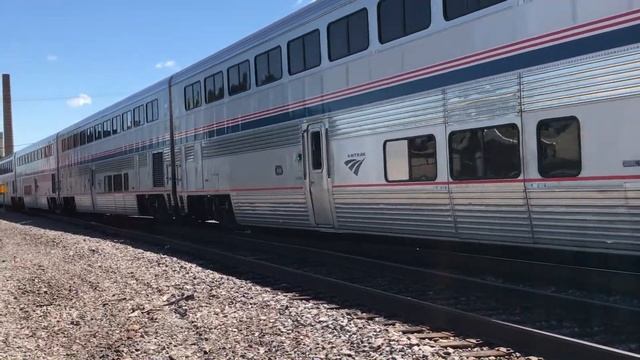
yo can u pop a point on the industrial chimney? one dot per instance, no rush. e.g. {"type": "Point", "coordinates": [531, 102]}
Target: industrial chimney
{"type": "Point", "coordinates": [8, 120]}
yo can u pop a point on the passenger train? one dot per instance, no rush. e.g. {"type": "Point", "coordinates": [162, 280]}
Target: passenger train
{"type": "Point", "coordinates": [502, 121]}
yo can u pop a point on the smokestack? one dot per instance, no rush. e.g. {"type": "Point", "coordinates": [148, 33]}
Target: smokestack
{"type": "Point", "coordinates": [8, 120]}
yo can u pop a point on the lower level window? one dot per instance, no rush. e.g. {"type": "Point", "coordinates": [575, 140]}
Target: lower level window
{"type": "Point", "coordinates": [411, 159]}
{"type": "Point", "coordinates": [559, 153]}
{"type": "Point", "coordinates": [485, 153]}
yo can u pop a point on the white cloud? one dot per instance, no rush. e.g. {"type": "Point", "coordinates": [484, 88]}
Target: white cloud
{"type": "Point", "coordinates": [169, 64]}
{"type": "Point", "coordinates": [52, 57]}
{"type": "Point", "coordinates": [79, 101]}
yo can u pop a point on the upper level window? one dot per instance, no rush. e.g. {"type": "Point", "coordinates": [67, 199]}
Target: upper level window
{"type": "Point", "coordinates": [127, 120]}
{"type": "Point", "coordinates": [400, 18]}
{"type": "Point", "coordinates": [304, 52]}
{"type": "Point", "coordinates": [269, 66]}
{"type": "Point", "coordinates": [192, 96]}
{"type": "Point", "coordinates": [348, 35]}
{"type": "Point", "coordinates": [239, 78]}
{"type": "Point", "coordinates": [98, 131]}
{"type": "Point", "coordinates": [138, 116]}
{"type": "Point", "coordinates": [559, 152]}
{"type": "Point", "coordinates": [152, 111]}
{"type": "Point", "coordinates": [115, 124]}
{"type": "Point", "coordinates": [89, 135]}
{"type": "Point", "coordinates": [214, 87]}
{"type": "Point", "coordinates": [411, 159]}
{"type": "Point", "coordinates": [454, 9]}
{"type": "Point", "coordinates": [485, 153]}
{"type": "Point", "coordinates": [106, 129]}
{"type": "Point", "coordinates": [83, 138]}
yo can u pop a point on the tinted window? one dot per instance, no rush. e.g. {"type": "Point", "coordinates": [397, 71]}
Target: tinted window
{"type": "Point", "coordinates": [192, 96]}
{"type": "Point", "coordinates": [559, 152]}
{"type": "Point", "coordinates": [454, 9]}
{"type": "Point", "coordinates": [238, 77]}
{"type": "Point", "coordinates": [83, 138]}
{"type": "Point", "coordinates": [115, 124]}
{"type": "Point", "coordinates": [214, 87]}
{"type": "Point", "coordinates": [108, 183]}
{"type": "Point", "coordinates": [117, 183]}
{"type": "Point", "coordinates": [98, 131]}
{"type": "Point", "coordinates": [316, 150]}
{"type": "Point", "coordinates": [485, 153]}
{"type": "Point", "coordinates": [304, 52]}
{"type": "Point", "coordinates": [125, 181]}
{"type": "Point", "coordinates": [399, 18]}
{"type": "Point", "coordinates": [89, 135]}
{"type": "Point", "coordinates": [106, 129]}
{"type": "Point", "coordinates": [127, 121]}
{"type": "Point", "coordinates": [269, 66]}
{"type": "Point", "coordinates": [411, 159]}
{"type": "Point", "coordinates": [152, 111]}
{"type": "Point", "coordinates": [138, 116]}
{"type": "Point", "coordinates": [348, 35]}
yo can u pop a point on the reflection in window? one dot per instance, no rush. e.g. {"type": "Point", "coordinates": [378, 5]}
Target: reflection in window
{"type": "Point", "coordinates": [454, 9]}
{"type": "Point", "coordinates": [238, 77]}
{"type": "Point", "coordinates": [485, 153]}
{"type": "Point", "coordinates": [559, 153]}
{"type": "Point", "coordinates": [400, 18]}
{"type": "Point", "coordinates": [214, 87]}
{"type": "Point", "coordinates": [411, 159]}
{"type": "Point", "coordinates": [269, 66]}
{"type": "Point", "coordinates": [348, 35]}
{"type": "Point", "coordinates": [304, 52]}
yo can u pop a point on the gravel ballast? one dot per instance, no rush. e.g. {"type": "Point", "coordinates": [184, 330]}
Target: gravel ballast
{"type": "Point", "coordinates": [67, 296]}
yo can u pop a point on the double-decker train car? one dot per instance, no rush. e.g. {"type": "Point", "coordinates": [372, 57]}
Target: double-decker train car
{"type": "Point", "coordinates": [36, 174]}
{"type": "Point", "coordinates": [503, 121]}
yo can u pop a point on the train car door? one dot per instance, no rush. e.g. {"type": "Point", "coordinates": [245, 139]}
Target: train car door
{"type": "Point", "coordinates": [193, 167]}
{"type": "Point", "coordinates": [317, 169]}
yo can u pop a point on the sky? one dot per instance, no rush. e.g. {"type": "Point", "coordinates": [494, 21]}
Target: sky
{"type": "Point", "coordinates": [71, 58]}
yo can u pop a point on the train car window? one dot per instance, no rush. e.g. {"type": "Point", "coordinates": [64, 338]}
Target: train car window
{"type": "Point", "coordinates": [108, 183]}
{"type": "Point", "coordinates": [127, 121]}
{"type": "Point", "coordinates": [411, 159]}
{"type": "Point", "coordinates": [192, 96]}
{"type": "Point", "coordinates": [97, 132]}
{"type": "Point", "coordinates": [316, 150]}
{"type": "Point", "coordinates": [348, 35]}
{"type": "Point", "coordinates": [125, 181]}
{"type": "Point", "coordinates": [268, 66]}
{"type": "Point", "coordinates": [454, 9]}
{"type": "Point", "coordinates": [106, 129]}
{"type": "Point", "coordinates": [76, 142]}
{"type": "Point", "coordinates": [138, 116]}
{"type": "Point", "coordinates": [152, 111]}
{"type": "Point", "coordinates": [115, 124]}
{"type": "Point", "coordinates": [117, 183]}
{"type": "Point", "coordinates": [400, 18]}
{"type": "Point", "coordinates": [304, 52]}
{"type": "Point", "coordinates": [214, 87]}
{"type": "Point", "coordinates": [90, 135]}
{"type": "Point", "coordinates": [559, 148]}
{"type": "Point", "coordinates": [239, 78]}
{"type": "Point", "coordinates": [83, 138]}
{"type": "Point", "coordinates": [485, 153]}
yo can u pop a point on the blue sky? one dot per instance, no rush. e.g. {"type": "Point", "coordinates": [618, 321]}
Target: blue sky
{"type": "Point", "coordinates": [71, 58]}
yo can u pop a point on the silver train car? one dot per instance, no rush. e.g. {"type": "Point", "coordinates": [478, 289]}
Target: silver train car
{"type": "Point", "coordinates": [503, 121]}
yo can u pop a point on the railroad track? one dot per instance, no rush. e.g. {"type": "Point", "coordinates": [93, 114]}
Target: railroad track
{"type": "Point", "coordinates": [556, 326]}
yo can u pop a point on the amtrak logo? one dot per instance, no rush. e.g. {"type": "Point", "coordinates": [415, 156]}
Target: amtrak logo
{"type": "Point", "coordinates": [354, 165]}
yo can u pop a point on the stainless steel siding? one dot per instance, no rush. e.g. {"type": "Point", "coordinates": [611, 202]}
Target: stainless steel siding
{"type": "Point", "coordinates": [286, 208]}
